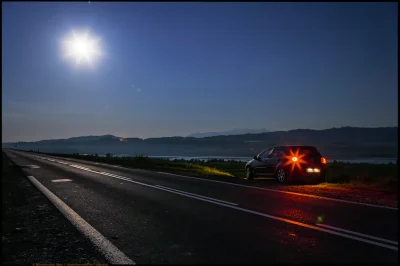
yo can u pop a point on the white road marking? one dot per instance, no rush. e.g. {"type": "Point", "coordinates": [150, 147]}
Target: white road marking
{"type": "Point", "coordinates": [84, 168]}
{"type": "Point", "coordinates": [33, 166]}
{"type": "Point", "coordinates": [61, 180]}
{"type": "Point", "coordinates": [80, 167]}
{"type": "Point", "coordinates": [117, 176]}
{"type": "Point", "coordinates": [126, 179]}
{"type": "Point", "coordinates": [111, 252]}
{"type": "Point", "coordinates": [286, 192]}
{"type": "Point", "coordinates": [196, 195]}
{"type": "Point", "coordinates": [358, 234]}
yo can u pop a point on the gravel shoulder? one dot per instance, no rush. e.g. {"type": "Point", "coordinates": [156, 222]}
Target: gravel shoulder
{"type": "Point", "coordinates": [34, 230]}
{"type": "Point", "coordinates": [347, 192]}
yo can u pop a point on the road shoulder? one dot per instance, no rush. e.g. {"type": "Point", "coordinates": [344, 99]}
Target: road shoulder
{"type": "Point", "coordinates": [33, 230]}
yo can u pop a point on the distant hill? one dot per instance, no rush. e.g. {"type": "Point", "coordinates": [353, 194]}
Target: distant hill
{"type": "Point", "coordinates": [236, 131]}
{"type": "Point", "coordinates": [91, 138]}
{"type": "Point", "coordinates": [345, 142]}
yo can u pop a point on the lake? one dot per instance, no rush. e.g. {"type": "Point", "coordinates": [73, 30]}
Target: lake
{"type": "Point", "coordinates": [245, 159]}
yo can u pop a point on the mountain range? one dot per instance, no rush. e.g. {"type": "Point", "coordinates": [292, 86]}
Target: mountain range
{"type": "Point", "coordinates": [345, 142]}
{"type": "Point", "coordinates": [236, 131]}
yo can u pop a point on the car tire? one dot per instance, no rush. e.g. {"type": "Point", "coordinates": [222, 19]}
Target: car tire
{"type": "Point", "coordinates": [281, 175]}
{"type": "Point", "coordinates": [249, 173]}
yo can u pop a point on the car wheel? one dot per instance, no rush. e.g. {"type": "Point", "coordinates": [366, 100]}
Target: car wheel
{"type": "Point", "coordinates": [281, 175]}
{"type": "Point", "coordinates": [249, 173]}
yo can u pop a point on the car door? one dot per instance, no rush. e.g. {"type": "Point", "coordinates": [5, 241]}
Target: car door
{"type": "Point", "coordinates": [272, 160]}
{"type": "Point", "coordinates": [260, 163]}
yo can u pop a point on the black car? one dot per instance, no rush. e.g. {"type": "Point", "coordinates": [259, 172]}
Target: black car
{"type": "Point", "coordinates": [288, 163]}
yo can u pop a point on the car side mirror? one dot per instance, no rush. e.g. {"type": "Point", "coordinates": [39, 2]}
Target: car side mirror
{"type": "Point", "coordinates": [255, 157]}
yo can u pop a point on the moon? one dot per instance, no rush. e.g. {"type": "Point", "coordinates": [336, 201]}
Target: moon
{"type": "Point", "coordinates": [81, 47]}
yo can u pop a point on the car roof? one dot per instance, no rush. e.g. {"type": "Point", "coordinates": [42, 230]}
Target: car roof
{"type": "Point", "coordinates": [294, 146]}
{"type": "Point", "coordinates": [291, 146]}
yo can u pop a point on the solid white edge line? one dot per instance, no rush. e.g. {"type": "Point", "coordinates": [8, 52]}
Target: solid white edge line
{"type": "Point", "coordinates": [111, 252]}
{"type": "Point", "coordinates": [196, 195]}
{"type": "Point", "coordinates": [286, 192]}
{"type": "Point", "coordinates": [359, 234]}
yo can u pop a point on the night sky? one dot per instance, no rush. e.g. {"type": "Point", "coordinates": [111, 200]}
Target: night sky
{"type": "Point", "coordinates": [171, 69]}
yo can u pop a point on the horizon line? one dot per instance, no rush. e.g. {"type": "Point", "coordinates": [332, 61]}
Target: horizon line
{"type": "Point", "coordinates": [201, 133]}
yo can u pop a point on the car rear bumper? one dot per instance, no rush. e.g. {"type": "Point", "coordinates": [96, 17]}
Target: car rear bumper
{"type": "Point", "coordinates": [309, 177]}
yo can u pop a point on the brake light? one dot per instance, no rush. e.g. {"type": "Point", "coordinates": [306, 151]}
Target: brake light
{"type": "Point", "coordinates": [323, 160]}
{"type": "Point", "coordinates": [294, 159]}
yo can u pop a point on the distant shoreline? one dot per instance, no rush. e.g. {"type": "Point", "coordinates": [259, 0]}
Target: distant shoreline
{"type": "Point", "coordinates": [372, 160]}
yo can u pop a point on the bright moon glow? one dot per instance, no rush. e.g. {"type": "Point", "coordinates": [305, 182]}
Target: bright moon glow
{"type": "Point", "coordinates": [82, 48]}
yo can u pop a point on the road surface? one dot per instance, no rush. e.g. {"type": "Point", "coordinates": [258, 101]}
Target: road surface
{"type": "Point", "coordinates": [162, 218]}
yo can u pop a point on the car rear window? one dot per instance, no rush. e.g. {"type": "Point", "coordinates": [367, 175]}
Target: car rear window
{"type": "Point", "coordinates": [310, 151]}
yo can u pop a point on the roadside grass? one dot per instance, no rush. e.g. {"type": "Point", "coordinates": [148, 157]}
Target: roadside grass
{"type": "Point", "coordinates": [214, 171]}
{"type": "Point", "coordinates": [363, 176]}
{"type": "Point", "coordinates": [339, 175]}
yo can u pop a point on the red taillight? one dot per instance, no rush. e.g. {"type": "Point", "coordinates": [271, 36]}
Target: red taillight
{"type": "Point", "coordinates": [294, 159]}
{"type": "Point", "coordinates": [323, 160]}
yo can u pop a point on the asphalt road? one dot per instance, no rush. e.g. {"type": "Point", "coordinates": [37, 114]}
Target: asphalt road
{"type": "Point", "coordinates": [161, 218]}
